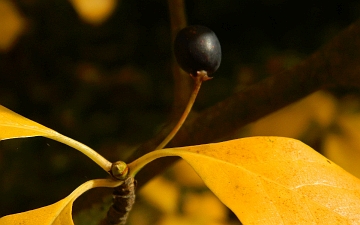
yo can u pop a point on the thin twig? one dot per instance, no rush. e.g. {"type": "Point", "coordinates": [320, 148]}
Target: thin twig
{"type": "Point", "coordinates": [123, 201]}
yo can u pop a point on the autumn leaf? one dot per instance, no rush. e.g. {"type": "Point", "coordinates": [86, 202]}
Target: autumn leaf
{"type": "Point", "coordinates": [272, 180]}
{"type": "Point", "coordinates": [13, 125]}
{"type": "Point", "coordinates": [58, 213]}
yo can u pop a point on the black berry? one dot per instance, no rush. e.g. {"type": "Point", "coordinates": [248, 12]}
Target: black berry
{"type": "Point", "coordinates": [197, 48]}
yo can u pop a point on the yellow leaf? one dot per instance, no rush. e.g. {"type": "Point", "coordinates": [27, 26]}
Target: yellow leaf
{"type": "Point", "coordinates": [58, 213]}
{"type": "Point", "coordinates": [272, 180]}
{"type": "Point", "coordinates": [13, 125]}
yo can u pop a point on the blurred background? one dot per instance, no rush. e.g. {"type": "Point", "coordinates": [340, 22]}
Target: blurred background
{"type": "Point", "coordinates": [99, 71]}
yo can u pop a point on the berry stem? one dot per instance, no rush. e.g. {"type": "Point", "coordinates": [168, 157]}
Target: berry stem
{"type": "Point", "coordinates": [199, 78]}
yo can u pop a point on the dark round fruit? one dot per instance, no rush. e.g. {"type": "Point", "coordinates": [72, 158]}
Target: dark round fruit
{"type": "Point", "coordinates": [197, 48]}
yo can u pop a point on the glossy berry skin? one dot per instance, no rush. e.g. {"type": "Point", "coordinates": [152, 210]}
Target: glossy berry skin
{"type": "Point", "coordinates": [197, 48]}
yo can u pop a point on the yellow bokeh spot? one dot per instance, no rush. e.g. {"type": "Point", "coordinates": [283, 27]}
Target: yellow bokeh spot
{"type": "Point", "coordinates": [94, 11]}
{"type": "Point", "coordinates": [11, 25]}
{"type": "Point", "coordinates": [186, 175]}
{"type": "Point", "coordinates": [204, 207]}
{"type": "Point", "coordinates": [343, 147]}
{"type": "Point", "coordinates": [295, 119]}
{"type": "Point", "coordinates": [161, 193]}
{"type": "Point", "coordinates": [183, 220]}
